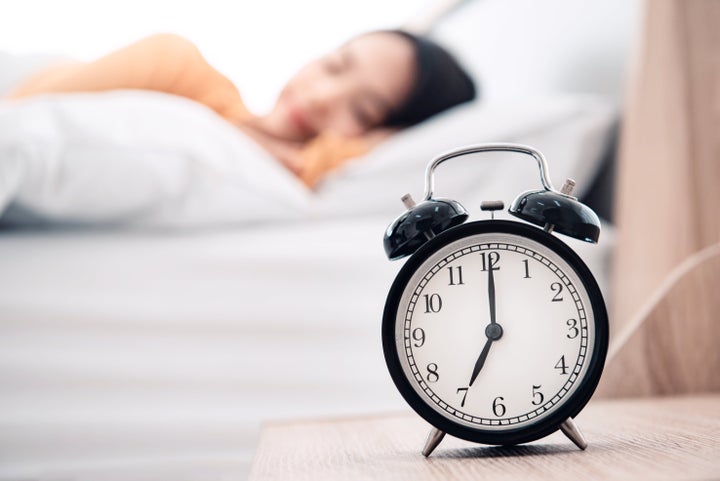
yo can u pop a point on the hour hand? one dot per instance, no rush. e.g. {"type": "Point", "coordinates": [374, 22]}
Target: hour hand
{"type": "Point", "coordinates": [480, 361]}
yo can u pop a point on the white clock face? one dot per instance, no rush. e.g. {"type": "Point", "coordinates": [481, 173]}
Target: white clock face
{"type": "Point", "coordinates": [494, 331]}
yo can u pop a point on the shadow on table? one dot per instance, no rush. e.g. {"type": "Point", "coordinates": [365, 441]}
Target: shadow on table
{"type": "Point", "coordinates": [506, 451]}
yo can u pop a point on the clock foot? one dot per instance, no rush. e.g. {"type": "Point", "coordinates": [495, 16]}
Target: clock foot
{"type": "Point", "coordinates": [570, 430]}
{"type": "Point", "coordinates": [432, 442]}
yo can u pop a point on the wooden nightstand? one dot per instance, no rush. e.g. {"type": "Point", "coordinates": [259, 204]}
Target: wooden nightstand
{"type": "Point", "coordinates": [674, 438]}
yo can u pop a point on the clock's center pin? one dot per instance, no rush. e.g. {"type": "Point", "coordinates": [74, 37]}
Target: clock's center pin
{"type": "Point", "coordinates": [494, 331]}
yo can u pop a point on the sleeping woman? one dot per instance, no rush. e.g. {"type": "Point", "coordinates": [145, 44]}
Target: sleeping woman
{"type": "Point", "coordinates": [335, 108]}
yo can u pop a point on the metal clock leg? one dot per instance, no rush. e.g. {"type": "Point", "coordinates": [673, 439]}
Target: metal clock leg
{"type": "Point", "coordinates": [570, 430]}
{"type": "Point", "coordinates": [433, 439]}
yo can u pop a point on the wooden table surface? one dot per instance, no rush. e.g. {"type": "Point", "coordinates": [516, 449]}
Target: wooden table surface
{"type": "Point", "coordinates": [673, 438]}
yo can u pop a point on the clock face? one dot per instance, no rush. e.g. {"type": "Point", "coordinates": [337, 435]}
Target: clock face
{"type": "Point", "coordinates": [495, 331]}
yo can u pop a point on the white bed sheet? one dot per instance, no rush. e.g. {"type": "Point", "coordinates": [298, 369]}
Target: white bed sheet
{"type": "Point", "coordinates": [131, 355]}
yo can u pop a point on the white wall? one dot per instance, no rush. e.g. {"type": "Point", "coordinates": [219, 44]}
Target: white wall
{"type": "Point", "coordinates": [522, 47]}
{"type": "Point", "coordinates": [515, 47]}
{"type": "Point", "coordinates": [258, 44]}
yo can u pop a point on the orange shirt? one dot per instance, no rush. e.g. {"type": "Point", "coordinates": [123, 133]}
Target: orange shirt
{"type": "Point", "coordinates": [172, 64]}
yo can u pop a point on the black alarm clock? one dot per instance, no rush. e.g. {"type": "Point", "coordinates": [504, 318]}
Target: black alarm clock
{"type": "Point", "coordinates": [495, 331]}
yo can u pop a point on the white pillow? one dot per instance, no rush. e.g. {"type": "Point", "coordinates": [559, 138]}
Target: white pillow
{"type": "Point", "coordinates": [136, 157]}
{"type": "Point", "coordinates": [570, 130]}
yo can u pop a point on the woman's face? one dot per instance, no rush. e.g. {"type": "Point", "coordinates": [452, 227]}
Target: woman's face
{"type": "Point", "coordinates": [346, 92]}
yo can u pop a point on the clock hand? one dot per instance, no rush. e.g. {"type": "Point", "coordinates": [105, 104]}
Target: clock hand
{"type": "Point", "coordinates": [481, 361]}
{"type": "Point", "coordinates": [493, 331]}
{"type": "Point", "coordinates": [491, 294]}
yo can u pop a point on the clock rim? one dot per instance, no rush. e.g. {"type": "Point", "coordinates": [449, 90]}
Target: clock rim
{"type": "Point", "coordinates": [570, 408]}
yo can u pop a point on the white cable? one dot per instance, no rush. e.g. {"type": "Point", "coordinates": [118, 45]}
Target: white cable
{"type": "Point", "coordinates": [668, 283]}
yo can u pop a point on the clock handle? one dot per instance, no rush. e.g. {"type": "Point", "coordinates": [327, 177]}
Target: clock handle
{"type": "Point", "coordinates": [490, 147]}
{"type": "Point", "coordinates": [434, 438]}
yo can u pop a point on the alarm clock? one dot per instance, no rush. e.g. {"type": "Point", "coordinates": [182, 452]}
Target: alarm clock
{"type": "Point", "coordinates": [495, 331]}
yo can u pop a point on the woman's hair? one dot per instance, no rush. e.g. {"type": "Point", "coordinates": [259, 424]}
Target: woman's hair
{"type": "Point", "coordinates": [440, 83]}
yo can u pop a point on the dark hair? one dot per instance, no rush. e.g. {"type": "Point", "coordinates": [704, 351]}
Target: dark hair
{"type": "Point", "coordinates": [440, 83]}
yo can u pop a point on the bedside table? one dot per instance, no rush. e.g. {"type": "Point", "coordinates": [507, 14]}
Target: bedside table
{"type": "Point", "coordinates": [674, 438]}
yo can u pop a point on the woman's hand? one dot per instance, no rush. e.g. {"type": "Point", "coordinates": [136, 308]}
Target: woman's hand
{"type": "Point", "coordinates": [377, 136]}
{"type": "Point", "coordinates": [288, 153]}
{"type": "Point", "coordinates": [310, 161]}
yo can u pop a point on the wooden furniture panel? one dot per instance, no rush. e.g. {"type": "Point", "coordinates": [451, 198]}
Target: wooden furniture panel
{"type": "Point", "coordinates": [672, 345]}
{"type": "Point", "coordinates": [669, 197]}
{"type": "Point", "coordinates": [659, 439]}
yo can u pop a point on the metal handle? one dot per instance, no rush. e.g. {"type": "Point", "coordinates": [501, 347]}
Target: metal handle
{"type": "Point", "coordinates": [495, 147]}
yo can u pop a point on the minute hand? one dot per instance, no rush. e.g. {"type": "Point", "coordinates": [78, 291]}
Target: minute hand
{"type": "Point", "coordinates": [491, 294]}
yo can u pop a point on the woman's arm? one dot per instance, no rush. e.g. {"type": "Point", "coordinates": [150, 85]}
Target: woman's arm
{"type": "Point", "coordinates": [163, 62]}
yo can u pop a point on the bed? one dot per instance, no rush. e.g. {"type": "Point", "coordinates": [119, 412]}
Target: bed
{"type": "Point", "coordinates": [148, 333]}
